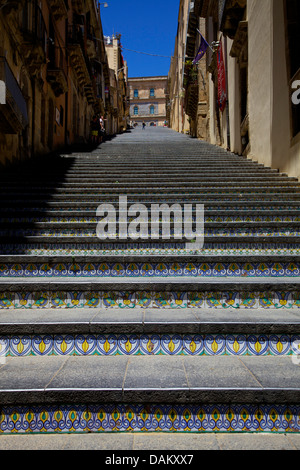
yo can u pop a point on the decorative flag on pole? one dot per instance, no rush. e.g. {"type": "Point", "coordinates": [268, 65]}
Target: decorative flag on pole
{"type": "Point", "coordinates": [222, 94]}
{"type": "Point", "coordinates": [202, 50]}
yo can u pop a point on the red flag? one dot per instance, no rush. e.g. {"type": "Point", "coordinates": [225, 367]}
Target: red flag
{"type": "Point", "coordinates": [222, 94]}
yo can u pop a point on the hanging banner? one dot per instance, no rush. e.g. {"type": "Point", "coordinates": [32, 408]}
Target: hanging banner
{"type": "Point", "coordinates": [222, 94]}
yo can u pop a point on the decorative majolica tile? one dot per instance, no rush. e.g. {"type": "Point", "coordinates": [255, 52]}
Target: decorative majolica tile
{"type": "Point", "coordinates": [58, 299]}
{"type": "Point", "coordinates": [214, 345]}
{"type": "Point", "coordinates": [42, 345]}
{"type": "Point", "coordinates": [258, 345]}
{"type": "Point", "coordinates": [236, 345]}
{"type": "Point", "coordinates": [196, 299]}
{"type": "Point", "coordinates": [75, 299]}
{"type": "Point", "coordinates": [85, 345]}
{"type": "Point", "coordinates": [92, 299]}
{"type": "Point", "coordinates": [214, 300]}
{"type": "Point", "coordinates": [283, 300]}
{"type": "Point", "coordinates": [162, 300]}
{"type": "Point", "coordinates": [126, 299]}
{"type": "Point", "coordinates": [190, 269]}
{"type": "Point", "coordinates": [266, 300]}
{"type": "Point", "coordinates": [23, 300]}
{"type": "Point", "coordinates": [279, 345]}
{"type": "Point", "coordinates": [151, 418]}
{"type": "Point", "coordinates": [248, 299]}
{"type": "Point", "coordinates": [107, 345]}
{"type": "Point", "coordinates": [171, 344]}
{"type": "Point", "coordinates": [147, 269]}
{"type": "Point", "coordinates": [193, 345]}
{"type": "Point", "coordinates": [40, 300]}
{"type": "Point", "coordinates": [231, 300]}
{"type": "Point", "coordinates": [128, 344]}
{"type": "Point", "coordinates": [7, 300]}
{"type": "Point", "coordinates": [150, 344]}
{"type": "Point", "coordinates": [178, 299]}
{"type": "Point", "coordinates": [144, 299]}
{"type": "Point", "coordinates": [20, 345]}
{"type": "Point", "coordinates": [63, 345]}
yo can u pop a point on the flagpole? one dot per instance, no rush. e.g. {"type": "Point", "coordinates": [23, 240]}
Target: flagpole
{"type": "Point", "coordinates": [207, 43]}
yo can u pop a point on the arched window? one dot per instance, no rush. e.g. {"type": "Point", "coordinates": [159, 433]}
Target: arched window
{"type": "Point", "coordinates": [136, 110]}
{"type": "Point", "coordinates": [152, 109]}
{"type": "Point", "coordinates": [152, 92]}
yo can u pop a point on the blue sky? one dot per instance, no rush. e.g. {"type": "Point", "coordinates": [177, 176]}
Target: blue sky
{"type": "Point", "coordinates": [149, 26]}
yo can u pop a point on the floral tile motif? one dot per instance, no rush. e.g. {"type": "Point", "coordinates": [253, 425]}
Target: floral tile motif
{"type": "Point", "coordinates": [23, 300]}
{"type": "Point", "coordinates": [7, 300]}
{"type": "Point", "coordinates": [150, 344]}
{"type": "Point", "coordinates": [168, 300]}
{"type": "Point", "coordinates": [151, 418]}
{"type": "Point", "coordinates": [170, 269]}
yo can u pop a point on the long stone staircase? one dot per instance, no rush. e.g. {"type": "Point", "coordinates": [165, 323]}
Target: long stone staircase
{"type": "Point", "coordinates": [149, 335]}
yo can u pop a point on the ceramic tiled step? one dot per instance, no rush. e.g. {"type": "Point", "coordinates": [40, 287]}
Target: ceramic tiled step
{"type": "Point", "coordinates": [191, 332]}
{"type": "Point", "coordinates": [91, 225]}
{"type": "Point", "coordinates": [31, 214]}
{"type": "Point", "coordinates": [231, 295]}
{"type": "Point", "coordinates": [103, 183]}
{"type": "Point", "coordinates": [105, 192]}
{"type": "Point", "coordinates": [150, 266]}
{"type": "Point", "coordinates": [42, 321]}
{"type": "Point", "coordinates": [153, 185]}
{"type": "Point", "coordinates": [153, 379]}
{"type": "Point", "coordinates": [243, 236]}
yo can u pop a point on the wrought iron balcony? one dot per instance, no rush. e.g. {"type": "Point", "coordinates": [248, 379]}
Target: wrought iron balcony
{"type": "Point", "coordinates": [57, 70]}
{"type": "Point", "coordinates": [13, 108]}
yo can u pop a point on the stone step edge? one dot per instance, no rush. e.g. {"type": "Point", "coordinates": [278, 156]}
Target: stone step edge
{"type": "Point", "coordinates": [10, 239]}
{"type": "Point", "coordinates": [92, 225]}
{"type": "Point", "coordinates": [149, 321]}
{"type": "Point", "coordinates": [212, 212]}
{"type": "Point", "coordinates": [179, 283]}
{"type": "Point", "coordinates": [148, 379]}
{"type": "Point", "coordinates": [150, 258]}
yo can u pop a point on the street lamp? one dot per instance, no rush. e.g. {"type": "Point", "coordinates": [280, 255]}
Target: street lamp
{"type": "Point", "coordinates": [103, 3]}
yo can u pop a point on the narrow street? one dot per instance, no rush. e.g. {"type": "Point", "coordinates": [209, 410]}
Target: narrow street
{"type": "Point", "coordinates": [149, 335]}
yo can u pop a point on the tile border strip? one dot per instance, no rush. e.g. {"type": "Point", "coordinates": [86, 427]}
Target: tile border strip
{"type": "Point", "coordinates": [149, 418]}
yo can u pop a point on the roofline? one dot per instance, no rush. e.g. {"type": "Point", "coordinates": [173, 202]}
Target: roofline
{"type": "Point", "coordinates": [161, 77]}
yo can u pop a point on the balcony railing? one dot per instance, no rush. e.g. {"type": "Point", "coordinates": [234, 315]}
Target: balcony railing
{"type": "Point", "coordinates": [57, 70]}
{"type": "Point", "coordinates": [13, 108]}
{"type": "Point", "coordinates": [33, 26]}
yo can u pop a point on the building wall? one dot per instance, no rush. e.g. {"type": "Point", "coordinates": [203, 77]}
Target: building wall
{"type": "Point", "coordinates": [269, 88]}
{"type": "Point", "coordinates": [60, 99]}
{"type": "Point", "coordinates": [144, 101]}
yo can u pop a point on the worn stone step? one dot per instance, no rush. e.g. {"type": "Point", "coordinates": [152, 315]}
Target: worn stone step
{"type": "Point", "coordinates": [84, 225]}
{"type": "Point", "coordinates": [83, 214]}
{"type": "Point", "coordinates": [152, 379]}
{"type": "Point", "coordinates": [187, 321]}
{"type": "Point", "coordinates": [159, 284]}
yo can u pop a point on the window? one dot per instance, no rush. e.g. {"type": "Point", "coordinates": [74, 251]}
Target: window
{"type": "Point", "coordinates": [135, 110]}
{"type": "Point", "coordinates": [136, 93]}
{"type": "Point", "coordinates": [152, 92]}
{"type": "Point", "coordinates": [152, 109]}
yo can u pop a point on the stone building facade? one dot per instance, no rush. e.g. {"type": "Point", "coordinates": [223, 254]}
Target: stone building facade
{"type": "Point", "coordinates": [259, 41]}
{"type": "Point", "coordinates": [117, 93]}
{"type": "Point", "coordinates": [148, 100]}
{"type": "Point", "coordinates": [54, 75]}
